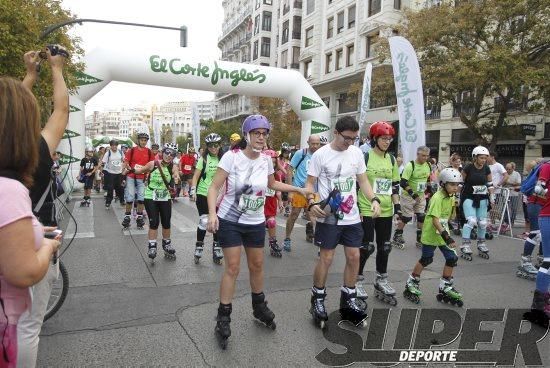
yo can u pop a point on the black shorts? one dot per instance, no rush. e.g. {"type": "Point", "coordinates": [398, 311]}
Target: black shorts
{"type": "Point", "coordinates": [329, 236]}
{"type": "Point", "coordinates": [89, 183]}
{"type": "Point", "coordinates": [233, 234]}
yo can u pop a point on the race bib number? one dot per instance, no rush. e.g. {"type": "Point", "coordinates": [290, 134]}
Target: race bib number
{"type": "Point", "coordinates": [161, 195]}
{"type": "Point", "coordinates": [421, 187]}
{"type": "Point", "coordinates": [136, 166]}
{"type": "Point", "coordinates": [345, 186]}
{"type": "Point", "coordinates": [382, 186]}
{"type": "Point", "coordinates": [187, 167]}
{"type": "Point", "coordinates": [269, 192]}
{"type": "Point", "coordinates": [115, 163]}
{"type": "Point", "coordinates": [251, 204]}
{"type": "Point", "coordinates": [479, 189]}
{"type": "Point", "coordinates": [435, 187]}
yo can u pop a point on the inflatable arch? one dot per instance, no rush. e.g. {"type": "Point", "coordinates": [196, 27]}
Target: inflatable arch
{"type": "Point", "coordinates": [183, 68]}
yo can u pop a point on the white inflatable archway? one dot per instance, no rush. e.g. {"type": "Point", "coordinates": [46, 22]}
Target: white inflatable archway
{"type": "Point", "coordinates": [183, 68]}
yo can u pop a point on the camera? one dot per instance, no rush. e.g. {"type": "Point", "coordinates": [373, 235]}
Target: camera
{"type": "Point", "coordinates": [54, 50]}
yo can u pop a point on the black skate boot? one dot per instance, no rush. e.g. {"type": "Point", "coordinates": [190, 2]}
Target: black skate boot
{"type": "Point", "coordinates": [223, 330]}
{"type": "Point", "coordinates": [317, 310]}
{"type": "Point", "coordinates": [398, 241]}
{"type": "Point", "coordinates": [107, 205]}
{"type": "Point", "coordinates": [199, 247]}
{"type": "Point", "coordinates": [309, 232]}
{"type": "Point", "coordinates": [84, 202]}
{"type": "Point", "coordinates": [140, 222]}
{"type": "Point", "coordinates": [152, 251]}
{"type": "Point", "coordinates": [274, 248]}
{"type": "Point", "coordinates": [261, 311]}
{"type": "Point", "coordinates": [351, 310]}
{"type": "Point", "coordinates": [88, 201]}
{"type": "Point", "coordinates": [418, 238]}
{"type": "Point", "coordinates": [540, 309]}
{"type": "Point", "coordinates": [126, 222]}
{"type": "Point", "coordinates": [169, 251]}
{"type": "Point", "coordinates": [217, 254]}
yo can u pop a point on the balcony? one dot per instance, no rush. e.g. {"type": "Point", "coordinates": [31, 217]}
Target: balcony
{"type": "Point", "coordinates": [458, 109]}
{"type": "Point", "coordinates": [245, 13]}
{"type": "Point", "coordinates": [513, 104]}
{"type": "Point", "coordinates": [434, 113]}
{"type": "Point", "coordinates": [296, 35]}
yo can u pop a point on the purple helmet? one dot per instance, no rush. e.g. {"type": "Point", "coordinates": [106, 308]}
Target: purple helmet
{"type": "Point", "coordinates": [255, 122]}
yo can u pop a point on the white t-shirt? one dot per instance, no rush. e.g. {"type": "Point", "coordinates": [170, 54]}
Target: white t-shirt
{"type": "Point", "coordinates": [244, 197]}
{"type": "Point", "coordinates": [497, 173]}
{"type": "Point", "coordinates": [112, 162]}
{"type": "Point", "coordinates": [338, 169]}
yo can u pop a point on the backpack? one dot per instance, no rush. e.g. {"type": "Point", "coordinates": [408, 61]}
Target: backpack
{"type": "Point", "coordinates": [528, 185]}
{"type": "Point", "coordinates": [392, 158]}
{"type": "Point", "coordinates": [304, 153]}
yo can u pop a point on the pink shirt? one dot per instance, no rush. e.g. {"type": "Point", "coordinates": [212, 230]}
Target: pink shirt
{"type": "Point", "coordinates": [15, 204]}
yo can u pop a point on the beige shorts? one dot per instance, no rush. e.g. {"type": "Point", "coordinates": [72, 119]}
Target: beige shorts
{"type": "Point", "coordinates": [410, 206]}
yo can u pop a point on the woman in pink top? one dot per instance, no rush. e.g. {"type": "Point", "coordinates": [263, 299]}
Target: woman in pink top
{"type": "Point", "coordinates": [24, 252]}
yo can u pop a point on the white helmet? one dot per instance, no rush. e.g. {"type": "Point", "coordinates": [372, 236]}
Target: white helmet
{"type": "Point", "coordinates": [172, 146]}
{"type": "Point", "coordinates": [323, 140]}
{"type": "Point", "coordinates": [480, 150]}
{"type": "Point", "coordinates": [449, 175]}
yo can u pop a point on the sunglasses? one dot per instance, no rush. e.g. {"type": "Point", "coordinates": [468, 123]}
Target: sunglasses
{"type": "Point", "coordinates": [213, 145]}
{"type": "Point", "coordinates": [170, 153]}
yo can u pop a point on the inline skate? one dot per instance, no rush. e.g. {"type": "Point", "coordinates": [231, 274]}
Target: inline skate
{"type": "Point", "coordinates": [448, 294]}
{"type": "Point", "coordinates": [412, 289]}
{"type": "Point", "coordinates": [540, 309]}
{"type": "Point", "coordinates": [526, 269]}
{"type": "Point", "coordinates": [317, 309]}
{"type": "Point", "coordinates": [383, 289]}
{"type": "Point", "coordinates": [261, 312]}
{"type": "Point", "coordinates": [482, 249]}
{"type": "Point", "coordinates": [152, 251]}
{"type": "Point", "coordinates": [199, 247]}
{"type": "Point", "coordinates": [274, 248]}
{"type": "Point", "coordinates": [126, 222]}
{"type": "Point", "coordinates": [168, 248]}
{"type": "Point", "coordinates": [223, 329]}
{"type": "Point", "coordinates": [418, 237]}
{"type": "Point", "coordinates": [287, 244]}
{"type": "Point", "coordinates": [309, 232]}
{"type": "Point", "coordinates": [353, 310]}
{"type": "Point", "coordinates": [140, 222]}
{"type": "Point", "coordinates": [360, 288]}
{"type": "Point", "coordinates": [398, 241]}
{"type": "Point", "coordinates": [465, 250]}
{"type": "Point", "coordinates": [217, 254]}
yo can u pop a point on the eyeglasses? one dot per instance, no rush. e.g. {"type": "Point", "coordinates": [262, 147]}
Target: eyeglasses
{"type": "Point", "coordinates": [386, 139]}
{"type": "Point", "coordinates": [349, 140]}
{"type": "Point", "coordinates": [213, 145]}
{"type": "Point", "coordinates": [257, 134]}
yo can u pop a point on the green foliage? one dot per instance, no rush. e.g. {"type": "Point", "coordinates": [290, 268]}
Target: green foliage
{"type": "Point", "coordinates": [286, 126]}
{"type": "Point", "coordinates": [184, 140]}
{"type": "Point", "coordinates": [488, 48]}
{"type": "Point", "coordinates": [21, 22]}
{"type": "Point", "coordinates": [166, 135]}
{"type": "Point", "coordinates": [223, 128]}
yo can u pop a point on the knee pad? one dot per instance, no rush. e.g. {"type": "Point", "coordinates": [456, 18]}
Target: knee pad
{"type": "Point", "coordinates": [482, 223]}
{"type": "Point", "coordinates": [369, 247]}
{"type": "Point", "coordinates": [471, 222]}
{"type": "Point", "coordinates": [420, 217]}
{"type": "Point", "coordinates": [153, 224]}
{"type": "Point", "coordinates": [203, 221]}
{"type": "Point", "coordinates": [140, 202]}
{"type": "Point", "coordinates": [451, 262]}
{"type": "Point", "coordinates": [425, 261]}
{"type": "Point", "coordinates": [386, 248]}
{"type": "Point", "coordinates": [271, 223]}
{"type": "Point", "coordinates": [405, 219]}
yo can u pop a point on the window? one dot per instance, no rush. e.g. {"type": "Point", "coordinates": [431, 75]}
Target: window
{"type": "Point", "coordinates": [339, 59]}
{"type": "Point", "coordinates": [266, 21]}
{"type": "Point", "coordinates": [295, 58]}
{"type": "Point", "coordinates": [266, 47]}
{"type": "Point", "coordinates": [257, 24]}
{"type": "Point", "coordinates": [285, 33]}
{"type": "Point", "coordinates": [257, 4]}
{"type": "Point", "coordinates": [307, 69]}
{"type": "Point", "coordinates": [397, 4]}
{"type": "Point", "coordinates": [350, 55]}
{"type": "Point", "coordinates": [330, 26]}
{"type": "Point", "coordinates": [340, 22]}
{"type": "Point", "coordinates": [268, 2]}
{"type": "Point", "coordinates": [309, 36]}
{"type": "Point", "coordinates": [351, 16]}
{"type": "Point", "coordinates": [346, 103]}
{"type": "Point", "coordinates": [328, 63]}
{"type": "Point", "coordinates": [255, 51]}
{"type": "Point", "coordinates": [371, 41]}
{"type": "Point", "coordinates": [374, 7]}
{"type": "Point", "coordinates": [326, 101]}
{"type": "Point", "coordinates": [296, 28]}
{"type": "Point", "coordinates": [284, 59]}
{"type": "Point", "coordinates": [310, 7]}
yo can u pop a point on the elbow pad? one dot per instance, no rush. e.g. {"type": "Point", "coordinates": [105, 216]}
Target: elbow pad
{"type": "Point", "coordinates": [395, 188]}
{"type": "Point", "coordinates": [404, 183]}
{"type": "Point", "coordinates": [540, 189]}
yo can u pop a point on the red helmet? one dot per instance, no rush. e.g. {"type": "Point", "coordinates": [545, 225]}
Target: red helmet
{"type": "Point", "coordinates": [380, 128]}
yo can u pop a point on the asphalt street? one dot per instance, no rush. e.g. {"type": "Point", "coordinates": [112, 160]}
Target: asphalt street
{"type": "Point", "coordinates": [123, 310]}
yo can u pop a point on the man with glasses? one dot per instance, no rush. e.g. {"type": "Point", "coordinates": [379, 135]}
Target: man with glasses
{"type": "Point", "coordinates": [297, 176]}
{"type": "Point", "coordinates": [334, 169]}
{"type": "Point", "coordinates": [414, 181]}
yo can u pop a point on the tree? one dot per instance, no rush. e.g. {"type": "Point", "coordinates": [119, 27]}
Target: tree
{"type": "Point", "coordinates": [166, 135]}
{"type": "Point", "coordinates": [183, 141]}
{"type": "Point", "coordinates": [286, 126]}
{"type": "Point", "coordinates": [223, 128]}
{"type": "Point", "coordinates": [485, 57]}
{"type": "Point", "coordinates": [21, 22]}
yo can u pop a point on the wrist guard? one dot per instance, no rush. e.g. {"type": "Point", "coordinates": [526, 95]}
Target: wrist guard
{"type": "Point", "coordinates": [447, 238]}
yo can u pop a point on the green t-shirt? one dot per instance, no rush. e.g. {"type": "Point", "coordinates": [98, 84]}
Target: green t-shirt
{"type": "Point", "coordinates": [441, 206]}
{"type": "Point", "coordinates": [211, 167]}
{"type": "Point", "coordinates": [381, 174]}
{"type": "Point", "coordinates": [156, 189]}
{"type": "Point", "coordinates": [417, 178]}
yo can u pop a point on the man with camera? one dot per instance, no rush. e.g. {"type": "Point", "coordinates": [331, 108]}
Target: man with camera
{"type": "Point", "coordinates": [43, 192]}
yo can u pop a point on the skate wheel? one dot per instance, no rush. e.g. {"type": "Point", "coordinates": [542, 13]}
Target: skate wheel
{"type": "Point", "coordinates": [459, 303]}
{"type": "Point", "coordinates": [439, 297]}
{"type": "Point", "coordinates": [452, 301]}
{"type": "Point", "coordinates": [393, 302]}
{"type": "Point", "coordinates": [322, 324]}
{"type": "Point", "coordinates": [272, 325]}
{"type": "Point", "coordinates": [446, 299]}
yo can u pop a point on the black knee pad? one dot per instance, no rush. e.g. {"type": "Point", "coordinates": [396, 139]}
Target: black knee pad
{"type": "Point", "coordinates": [368, 247]}
{"type": "Point", "coordinates": [545, 265]}
{"type": "Point", "coordinates": [405, 220]}
{"type": "Point", "coordinates": [420, 217]}
{"type": "Point", "coordinates": [386, 248]}
{"type": "Point", "coordinates": [425, 261]}
{"type": "Point", "coordinates": [451, 262]}
{"type": "Point", "coordinates": [140, 202]}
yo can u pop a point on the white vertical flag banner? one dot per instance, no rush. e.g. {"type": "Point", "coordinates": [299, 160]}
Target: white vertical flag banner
{"type": "Point", "coordinates": [156, 130]}
{"type": "Point", "coordinates": [365, 100]}
{"type": "Point", "coordinates": [410, 98]}
{"type": "Point", "coordinates": [196, 130]}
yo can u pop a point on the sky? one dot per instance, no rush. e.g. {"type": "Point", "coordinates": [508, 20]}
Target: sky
{"type": "Point", "coordinates": [203, 20]}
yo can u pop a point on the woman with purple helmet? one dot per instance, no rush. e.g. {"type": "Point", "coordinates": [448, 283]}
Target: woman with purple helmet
{"type": "Point", "coordinates": [240, 221]}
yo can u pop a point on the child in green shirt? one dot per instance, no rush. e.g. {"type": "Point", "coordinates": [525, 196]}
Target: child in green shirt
{"type": "Point", "coordinates": [435, 234]}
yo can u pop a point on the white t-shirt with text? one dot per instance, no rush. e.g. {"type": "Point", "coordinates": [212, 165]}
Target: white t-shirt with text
{"type": "Point", "coordinates": [112, 162]}
{"type": "Point", "coordinates": [246, 186]}
{"type": "Point", "coordinates": [339, 169]}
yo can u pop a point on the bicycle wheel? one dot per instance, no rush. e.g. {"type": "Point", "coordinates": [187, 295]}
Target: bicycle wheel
{"type": "Point", "coordinates": [59, 292]}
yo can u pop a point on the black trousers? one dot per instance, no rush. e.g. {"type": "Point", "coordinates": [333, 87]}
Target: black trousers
{"type": "Point", "coordinates": [382, 226]}
{"type": "Point", "coordinates": [112, 181]}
